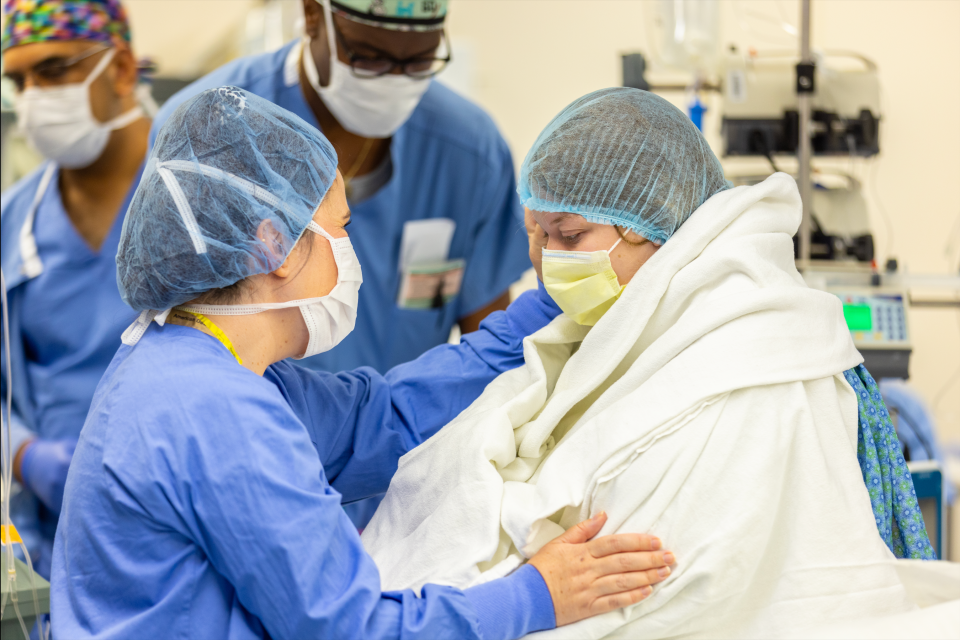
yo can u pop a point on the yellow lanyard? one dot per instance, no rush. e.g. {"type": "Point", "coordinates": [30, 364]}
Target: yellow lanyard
{"type": "Point", "coordinates": [217, 333]}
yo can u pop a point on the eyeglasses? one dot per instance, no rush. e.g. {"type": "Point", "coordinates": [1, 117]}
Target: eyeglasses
{"type": "Point", "coordinates": [52, 70]}
{"type": "Point", "coordinates": [418, 67]}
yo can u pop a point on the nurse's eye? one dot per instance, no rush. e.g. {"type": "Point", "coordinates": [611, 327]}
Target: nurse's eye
{"type": "Point", "coordinates": [572, 239]}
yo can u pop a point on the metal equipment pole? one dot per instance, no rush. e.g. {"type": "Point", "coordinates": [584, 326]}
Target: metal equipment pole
{"type": "Point", "coordinates": [804, 150]}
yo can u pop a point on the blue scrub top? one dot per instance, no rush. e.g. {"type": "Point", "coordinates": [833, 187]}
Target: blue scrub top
{"type": "Point", "coordinates": [72, 317]}
{"type": "Point", "coordinates": [197, 506]}
{"type": "Point", "coordinates": [65, 327]}
{"type": "Point", "coordinates": [449, 161]}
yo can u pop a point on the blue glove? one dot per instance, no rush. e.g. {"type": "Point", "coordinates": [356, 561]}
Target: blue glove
{"type": "Point", "coordinates": [44, 466]}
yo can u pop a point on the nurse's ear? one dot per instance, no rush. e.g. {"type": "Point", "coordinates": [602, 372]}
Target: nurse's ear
{"type": "Point", "coordinates": [124, 72]}
{"type": "Point", "coordinates": [312, 18]}
{"type": "Point", "coordinates": [273, 247]}
{"type": "Point", "coordinates": [319, 46]}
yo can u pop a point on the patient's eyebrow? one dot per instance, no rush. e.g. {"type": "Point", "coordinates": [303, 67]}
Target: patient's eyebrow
{"type": "Point", "coordinates": [573, 218]}
{"type": "Point", "coordinates": [561, 217]}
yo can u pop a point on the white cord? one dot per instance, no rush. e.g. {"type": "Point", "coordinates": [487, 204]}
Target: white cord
{"type": "Point", "coordinates": [878, 202]}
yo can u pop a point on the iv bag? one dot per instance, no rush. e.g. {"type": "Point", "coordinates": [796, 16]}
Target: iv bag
{"type": "Point", "coordinates": [687, 34]}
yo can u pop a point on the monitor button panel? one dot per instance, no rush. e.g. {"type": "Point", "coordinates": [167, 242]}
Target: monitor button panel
{"type": "Point", "coordinates": [875, 319]}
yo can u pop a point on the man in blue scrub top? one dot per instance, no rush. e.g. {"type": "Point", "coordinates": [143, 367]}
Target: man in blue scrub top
{"type": "Point", "coordinates": [76, 77]}
{"type": "Point", "coordinates": [409, 149]}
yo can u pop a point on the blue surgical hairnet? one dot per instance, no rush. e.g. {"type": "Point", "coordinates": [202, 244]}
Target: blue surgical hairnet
{"type": "Point", "coordinates": [623, 157]}
{"type": "Point", "coordinates": [223, 163]}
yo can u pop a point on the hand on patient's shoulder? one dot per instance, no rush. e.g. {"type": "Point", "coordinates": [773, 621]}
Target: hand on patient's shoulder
{"type": "Point", "coordinates": [587, 577]}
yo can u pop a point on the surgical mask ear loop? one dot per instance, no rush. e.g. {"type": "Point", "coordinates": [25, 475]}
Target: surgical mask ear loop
{"type": "Point", "coordinates": [98, 70]}
{"type": "Point", "coordinates": [614, 245]}
{"type": "Point", "coordinates": [121, 120]}
{"type": "Point", "coordinates": [331, 40]}
{"type": "Point", "coordinates": [309, 64]}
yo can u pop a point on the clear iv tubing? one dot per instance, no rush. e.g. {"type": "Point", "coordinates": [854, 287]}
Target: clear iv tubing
{"type": "Point", "coordinates": [6, 485]}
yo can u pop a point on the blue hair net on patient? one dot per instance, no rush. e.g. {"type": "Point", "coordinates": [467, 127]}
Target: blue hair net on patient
{"type": "Point", "coordinates": [224, 162]}
{"type": "Point", "coordinates": [623, 157]}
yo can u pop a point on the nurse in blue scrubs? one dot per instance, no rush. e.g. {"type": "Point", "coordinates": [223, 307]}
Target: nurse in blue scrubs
{"type": "Point", "coordinates": [77, 104]}
{"type": "Point", "coordinates": [197, 504]}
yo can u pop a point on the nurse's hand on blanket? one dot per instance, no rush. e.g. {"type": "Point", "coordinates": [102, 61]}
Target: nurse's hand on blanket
{"type": "Point", "coordinates": [538, 240]}
{"type": "Point", "coordinates": [588, 577]}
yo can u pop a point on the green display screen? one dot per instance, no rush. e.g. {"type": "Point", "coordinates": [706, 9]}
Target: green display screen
{"type": "Point", "coordinates": [858, 317]}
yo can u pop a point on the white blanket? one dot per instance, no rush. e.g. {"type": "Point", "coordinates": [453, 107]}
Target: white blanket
{"type": "Point", "coordinates": [708, 407]}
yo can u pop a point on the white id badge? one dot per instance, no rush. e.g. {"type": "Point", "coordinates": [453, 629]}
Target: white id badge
{"type": "Point", "coordinates": [426, 241]}
{"type": "Point", "coordinates": [430, 286]}
{"type": "Point", "coordinates": [428, 279]}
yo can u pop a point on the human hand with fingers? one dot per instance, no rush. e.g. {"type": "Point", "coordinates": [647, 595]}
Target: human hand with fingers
{"type": "Point", "coordinates": [587, 577]}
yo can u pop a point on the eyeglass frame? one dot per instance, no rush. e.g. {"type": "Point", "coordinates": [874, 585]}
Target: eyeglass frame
{"type": "Point", "coordinates": [353, 57]}
{"type": "Point", "coordinates": [59, 67]}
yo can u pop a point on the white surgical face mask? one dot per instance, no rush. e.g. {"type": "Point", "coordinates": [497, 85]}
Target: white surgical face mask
{"type": "Point", "coordinates": [330, 318]}
{"type": "Point", "coordinates": [59, 122]}
{"type": "Point", "coordinates": [367, 107]}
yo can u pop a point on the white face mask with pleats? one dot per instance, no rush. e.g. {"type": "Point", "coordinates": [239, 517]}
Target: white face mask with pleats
{"type": "Point", "coordinates": [60, 123]}
{"type": "Point", "coordinates": [367, 107]}
{"type": "Point", "coordinates": [330, 318]}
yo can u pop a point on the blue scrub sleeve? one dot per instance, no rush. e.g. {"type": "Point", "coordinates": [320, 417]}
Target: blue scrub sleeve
{"type": "Point", "coordinates": [500, 252]}
{"type": "Point", "coordinates": [513, 606]}
{"type": "Point", "coordinates": [362, 423]}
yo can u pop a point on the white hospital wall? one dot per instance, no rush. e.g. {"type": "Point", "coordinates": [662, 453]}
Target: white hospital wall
{"type": "Point", "coordinates": [529, 58]}
{"type": "Point", "coordinates": [187, 38]}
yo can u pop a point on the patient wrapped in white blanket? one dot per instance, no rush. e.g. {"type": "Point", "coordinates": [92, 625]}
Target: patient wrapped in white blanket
{"type": "Point", "coordinates": [707, 407]}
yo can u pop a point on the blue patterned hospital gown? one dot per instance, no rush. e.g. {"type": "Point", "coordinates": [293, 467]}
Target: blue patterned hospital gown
{"type": "Point", "coordinates": [885, 473]}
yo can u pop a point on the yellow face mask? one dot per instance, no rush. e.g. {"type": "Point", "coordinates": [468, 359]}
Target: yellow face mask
{"type": "Point", "coordinates": [582, 283]}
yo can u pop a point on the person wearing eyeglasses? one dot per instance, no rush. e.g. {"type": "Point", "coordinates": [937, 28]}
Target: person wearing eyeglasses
{"type": "Point", "coordinates": [78, 103]}
{"type": "Point", "coordinates": [410, 149]}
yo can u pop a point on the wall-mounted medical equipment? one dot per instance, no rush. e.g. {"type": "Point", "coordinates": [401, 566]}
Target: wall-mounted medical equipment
{"type": "Point", "coordinates": [877, 319]}
{"type": "Point", "coordinates": [761, 117]}
{"type": "Point", "coordinates": [840, 222]}
{"type": "Point", "coordinates": [876, 313]}
{"type": "Point", "coordinates": [877, 305]}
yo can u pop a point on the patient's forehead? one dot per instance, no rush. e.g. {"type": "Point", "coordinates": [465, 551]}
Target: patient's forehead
{"type": "Point", "coordinates": [551, 219]}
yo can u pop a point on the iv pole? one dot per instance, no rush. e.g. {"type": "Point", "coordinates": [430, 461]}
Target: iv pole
{"type": "Point", "coordinates": [805, 88]}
